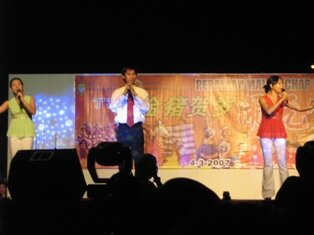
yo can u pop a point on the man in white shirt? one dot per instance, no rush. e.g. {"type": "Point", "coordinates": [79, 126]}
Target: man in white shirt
{"type": "Point", "coordinates": [130, 115]}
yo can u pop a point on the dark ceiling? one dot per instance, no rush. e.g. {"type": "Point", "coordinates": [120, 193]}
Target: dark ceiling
{"type": "Point", "coordinates": [157, 36]}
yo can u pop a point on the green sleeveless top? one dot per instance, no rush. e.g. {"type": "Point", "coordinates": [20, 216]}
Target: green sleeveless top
{"type": "Point", "coordinates": [21, 125]}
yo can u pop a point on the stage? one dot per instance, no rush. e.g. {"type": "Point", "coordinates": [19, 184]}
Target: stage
{"type": "Point", "coordinates": [243, 184]}
{"type": "Point", "coordinates": [73, 113]}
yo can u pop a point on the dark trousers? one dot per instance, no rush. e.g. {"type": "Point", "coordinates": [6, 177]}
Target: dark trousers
{"type": "Point", "coordinates": [132, 137]}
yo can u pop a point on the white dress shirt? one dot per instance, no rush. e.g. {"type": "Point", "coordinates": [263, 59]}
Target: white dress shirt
{"type": "Point", "coordinates": [119, 104]}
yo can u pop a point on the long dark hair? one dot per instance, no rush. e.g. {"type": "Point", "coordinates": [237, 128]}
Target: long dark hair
{"type": "Point", "coordinates": [272, 80]}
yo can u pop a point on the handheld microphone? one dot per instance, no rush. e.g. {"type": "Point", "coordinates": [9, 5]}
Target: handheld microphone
{"type": "Point", "coordinates": [20, 100]}
{"type": "Point", "coordinates": [284, 90]}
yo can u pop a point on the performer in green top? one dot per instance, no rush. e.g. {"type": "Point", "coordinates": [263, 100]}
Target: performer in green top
{"type": "Point", "coordinates": [21, 129]}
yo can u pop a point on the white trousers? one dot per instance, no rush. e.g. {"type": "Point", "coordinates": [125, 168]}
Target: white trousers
{"type": "Point", "coordinates": [268, 187]}
{"type": "Point", "coordinates": [17, 144]}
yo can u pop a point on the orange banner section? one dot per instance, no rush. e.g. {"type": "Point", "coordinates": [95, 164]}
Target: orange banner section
{"type": "Point", "coordinates": [195, 120]}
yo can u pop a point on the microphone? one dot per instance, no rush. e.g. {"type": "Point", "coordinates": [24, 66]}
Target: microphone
{"type": "Point", "coordinates": [284, 90]}
{"type": "Point", "coordinates": [20, 100]}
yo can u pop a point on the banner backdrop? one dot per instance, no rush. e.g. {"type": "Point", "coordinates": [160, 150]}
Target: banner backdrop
{"type": "Point", "coordinates": [195, 120]}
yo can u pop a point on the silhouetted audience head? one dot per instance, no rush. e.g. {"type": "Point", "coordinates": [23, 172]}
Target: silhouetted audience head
{"type": "Point", "coordinates": [298, 190]}
{"type": "Point", "coordinates": [185, 191]}
{"type": "Point", "coordinates": [147, 168]}
{"type": "Point", "coordinates": [305, 160]}
{"type": "Point", "coordinates": [123, 182]}
{"type": "Point", "coordinates": [294, 199]}
{"type": "Point", "coordinates": [186, 202]}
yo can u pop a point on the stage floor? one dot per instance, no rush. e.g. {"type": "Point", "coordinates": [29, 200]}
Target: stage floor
{"type": "Point", "coordinates": [242, 184]}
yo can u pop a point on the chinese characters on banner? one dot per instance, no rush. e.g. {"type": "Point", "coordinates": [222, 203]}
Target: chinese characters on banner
{"type": "Point", "coordinates": [195, 120]}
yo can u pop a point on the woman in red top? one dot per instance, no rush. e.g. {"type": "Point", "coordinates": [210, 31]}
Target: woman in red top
{"type": "Point", "coordinates": [272, 132]}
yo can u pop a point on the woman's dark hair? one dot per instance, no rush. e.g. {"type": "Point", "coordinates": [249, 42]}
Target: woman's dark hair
{"type": "Point", "coordinates": [272, 80]}
{"type": "Point", "coordinates": [16, 78]}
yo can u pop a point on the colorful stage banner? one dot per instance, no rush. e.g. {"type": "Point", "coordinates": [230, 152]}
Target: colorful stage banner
{"type": "Point", "coordinates": [195, 120]}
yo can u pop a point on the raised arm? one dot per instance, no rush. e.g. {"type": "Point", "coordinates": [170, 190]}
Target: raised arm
{"type": "Point", "coordinates": [142, 99]}
{"type": "Point", "coordinates": [270, 109]}
{"type": "Point", "coordinates": [31, 106]}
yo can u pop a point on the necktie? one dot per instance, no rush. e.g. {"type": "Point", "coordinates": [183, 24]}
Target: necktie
{"type": "Point", "coordinates": [130, 118]}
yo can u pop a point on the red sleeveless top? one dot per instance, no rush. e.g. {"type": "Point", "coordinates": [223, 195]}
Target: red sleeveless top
{"type": "Point", "coordinates": [272, 126]}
